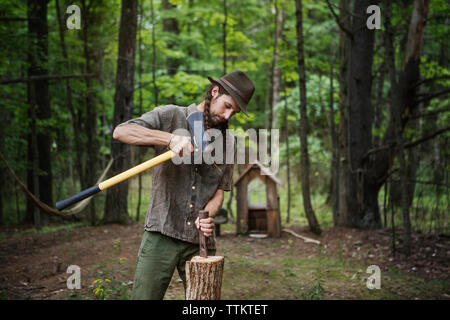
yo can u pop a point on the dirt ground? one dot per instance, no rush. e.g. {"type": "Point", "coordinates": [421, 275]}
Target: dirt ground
{"type": "Point", "coordinates": [34, 266]}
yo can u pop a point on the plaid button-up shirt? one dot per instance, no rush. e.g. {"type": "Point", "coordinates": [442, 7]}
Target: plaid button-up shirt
{"type": "Point", "coordinates": [180, 191]}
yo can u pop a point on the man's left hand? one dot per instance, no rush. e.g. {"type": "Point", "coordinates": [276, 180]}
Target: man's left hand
{"type": "Point", "coordinates": [205, 225]}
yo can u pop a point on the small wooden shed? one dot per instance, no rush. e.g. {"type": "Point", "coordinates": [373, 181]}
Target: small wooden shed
{"type": "Point", "coordinates": [258, 218]}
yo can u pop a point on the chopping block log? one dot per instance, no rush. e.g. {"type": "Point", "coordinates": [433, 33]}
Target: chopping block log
{"type": "Point", "coordinates": [204, 278]}
{"type": "Point", "coordinates": [203, 273]}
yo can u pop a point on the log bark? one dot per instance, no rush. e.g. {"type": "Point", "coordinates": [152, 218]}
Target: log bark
{"type": "Point", "coordinates": [204, 278]}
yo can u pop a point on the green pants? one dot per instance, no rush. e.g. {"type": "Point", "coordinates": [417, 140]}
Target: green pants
{"type": "Point", "coordinates": [158, 256]}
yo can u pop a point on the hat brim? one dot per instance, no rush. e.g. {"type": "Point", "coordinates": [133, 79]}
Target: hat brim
{"type": "Point", "coordinates": [240, 102]}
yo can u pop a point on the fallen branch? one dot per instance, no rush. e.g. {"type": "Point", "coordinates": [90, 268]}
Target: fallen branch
{"type": "Point", "coordinates": [301, 237]}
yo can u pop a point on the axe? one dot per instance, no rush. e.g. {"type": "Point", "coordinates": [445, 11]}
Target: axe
{"type": "Point", "coordinates": [195, 122]}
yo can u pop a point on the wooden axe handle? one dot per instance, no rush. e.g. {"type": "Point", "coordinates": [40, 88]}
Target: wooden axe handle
{"type": "Point", "coordinates": [203, 214]}
{"type": "Point", "coordinates": [115, 180]}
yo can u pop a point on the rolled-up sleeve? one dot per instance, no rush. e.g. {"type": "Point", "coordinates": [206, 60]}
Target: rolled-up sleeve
{"type": "Point", "coordinates": [160, 118]}
{"type": "Point", "coordinates": [149, 120]}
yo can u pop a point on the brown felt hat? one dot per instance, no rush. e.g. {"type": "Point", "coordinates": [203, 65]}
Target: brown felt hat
{"type": "Point", "coordinates": [239, 86]}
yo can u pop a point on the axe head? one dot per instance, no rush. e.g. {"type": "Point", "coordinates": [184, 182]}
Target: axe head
{"type": "Point", "coordinates": [200, 138]}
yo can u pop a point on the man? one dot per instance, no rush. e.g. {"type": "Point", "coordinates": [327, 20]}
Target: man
{"type": "Point", "coordinates": [180, 191]}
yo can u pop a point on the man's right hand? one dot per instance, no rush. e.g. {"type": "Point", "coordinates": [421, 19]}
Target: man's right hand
{"type": "Point", "coordinates": [181, 145]}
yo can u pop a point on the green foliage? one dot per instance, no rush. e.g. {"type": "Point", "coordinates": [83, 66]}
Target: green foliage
{"type": "Point", "coordinates": [198, 49]}
{"type": "Point", "coordinates": [315, 292]}
{"type": "Point", "coordinates": [107, 289]}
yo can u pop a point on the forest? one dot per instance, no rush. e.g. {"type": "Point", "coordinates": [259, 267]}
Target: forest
{"type": "Point", "coordinates": [359, 91]}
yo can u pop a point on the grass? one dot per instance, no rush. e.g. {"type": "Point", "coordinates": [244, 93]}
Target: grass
{"type": "Point", "coordinates": [133, 196]}
{"type": "Point", "coordinates": [315, 278]}
{"type": "Point", "coordinates": [45, 229]}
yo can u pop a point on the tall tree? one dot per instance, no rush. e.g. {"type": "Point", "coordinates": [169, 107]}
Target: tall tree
{"type": "Point", "coordinates": [116, 209]}
{"type": "Point", "coordinates": [170, 25]}
{"type": "Point", "coordinates": [304, 160]}
{"type": "Point", "coordinates": [288, 164]}
{"type": "Point", "coordinates": [334, 185]}
{"type": "Point", "coordinates": [39, 103]}
{"type": "Point", "coordinates": [340, 217]}
{"type": "Point", "coordinates": [69, 100]}
{"type": "Point", "coordinates": [140, 69]}
{"type": "Point", "coordinates": [402, 94]}
{"type": "Point", "coordinates": [224, 32]}
{"type": "Point", "coordinates": [155, 87]}
{"type": "Point", "coordinates": [275, 69]}
{"type": "Point", "coordinates": [362, 205]}
{"type": "Point", "coordinates": [367, 168]}
{"type": "Point", "coordinates": [92, 146]}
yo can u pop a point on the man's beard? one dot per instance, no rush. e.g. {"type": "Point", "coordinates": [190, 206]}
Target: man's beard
{"type": "Point", "coordinates": [217, 122]}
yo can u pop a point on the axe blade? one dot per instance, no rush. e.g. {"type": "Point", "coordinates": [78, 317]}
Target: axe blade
{"type": "Point", "coordinates": [200, 137]}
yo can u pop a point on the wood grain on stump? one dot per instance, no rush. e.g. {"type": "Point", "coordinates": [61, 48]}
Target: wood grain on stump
{"type": "Point", "coordinates": [204, 278]}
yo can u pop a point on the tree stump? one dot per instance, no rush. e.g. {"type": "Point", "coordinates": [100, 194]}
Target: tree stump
{"type": "Point", "coordinates": [204, 278]}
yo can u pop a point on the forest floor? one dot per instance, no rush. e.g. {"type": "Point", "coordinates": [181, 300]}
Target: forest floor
{"type": "Point", "coordinates": [34, 265]}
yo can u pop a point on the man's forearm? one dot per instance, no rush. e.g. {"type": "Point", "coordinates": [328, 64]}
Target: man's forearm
{"type": "Point", "coordinates": [215, 203]}
{"type": "Point", "coordinates": [141, 136]}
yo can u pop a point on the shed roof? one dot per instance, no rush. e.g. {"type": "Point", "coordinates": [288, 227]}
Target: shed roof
{"type": "Point", "coordinates": [264, 171]}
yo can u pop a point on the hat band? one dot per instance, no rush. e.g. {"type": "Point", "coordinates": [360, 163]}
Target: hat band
{"type": "Point", "coordinates": [235, 89]}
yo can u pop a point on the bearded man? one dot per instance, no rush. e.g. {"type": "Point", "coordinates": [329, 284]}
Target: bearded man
{"type": "Point", "coordinates": [179, 191]}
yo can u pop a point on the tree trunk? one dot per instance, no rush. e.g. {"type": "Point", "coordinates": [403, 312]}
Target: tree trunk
{"type": "Point", "coordinates": [276, 70]}
{"type": "Point", "coordinates": [92, 146]}
{"type": "Point", "coordinates": [334, 185]}
{"type": "Point", "coordinates": [288, 165]}
{"type": "Point", "coordinates": [362, 200]}
{"type": "Point", "coordinates": [204, 278]}
{"type": "Point", "coordinates": [116, 209]}
{"type": "Point", "coordinates": [140, 151]}
{"type": "Point", "coordinates": [171, 25]}
{"type": "Point", "coordinates": [75, 121]}
{"type": "Point", "coordinates": [35, 156]}
{"type": "Point", "coordinates": [379, 104]}
{"type": "Point", "coordinates": [224, 31]}
{"type": "Point", "coordinates": [155, 87]}
{"type": "Point", "coordinates": [399, 94]}
{"type": "Point", "coordinates": [304, 161]}
{"type": "Point", "coordinates": [38, 97]}
{"type": "Point", "coordinates": [367, 171]}
{"type": "Point", "coordinates": [344, 48]}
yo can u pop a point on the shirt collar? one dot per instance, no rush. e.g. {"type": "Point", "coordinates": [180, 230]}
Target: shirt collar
{"type": "Point", "coordinates": [192, 108]}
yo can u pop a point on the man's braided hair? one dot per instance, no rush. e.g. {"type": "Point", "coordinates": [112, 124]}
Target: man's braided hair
{"type": "Point", "coordinates": [207, 116]}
